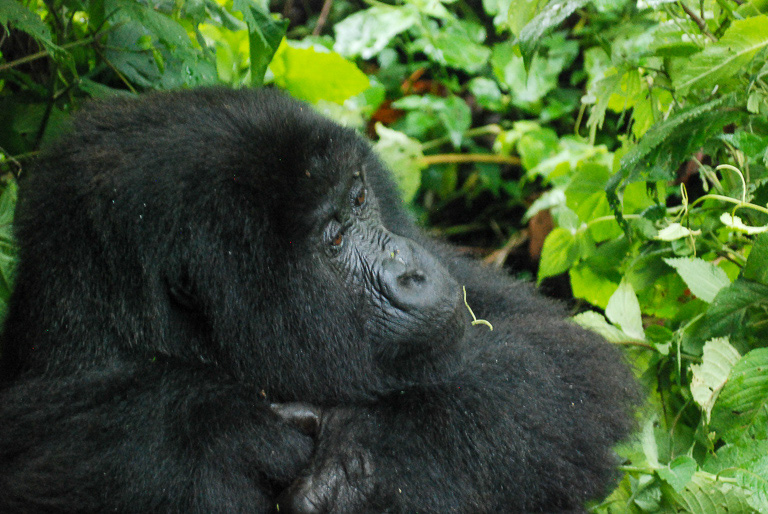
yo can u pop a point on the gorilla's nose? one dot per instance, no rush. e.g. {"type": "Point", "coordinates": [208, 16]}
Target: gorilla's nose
{"type": "Point", "coordinates": [412, 279]}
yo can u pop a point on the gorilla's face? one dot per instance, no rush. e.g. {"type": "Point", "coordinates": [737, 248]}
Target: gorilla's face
{"type": "Point", "coordinates": [413, 304]}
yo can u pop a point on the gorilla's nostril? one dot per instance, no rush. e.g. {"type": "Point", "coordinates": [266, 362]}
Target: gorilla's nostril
{"type": "Point", "coordinates": [412, 278]}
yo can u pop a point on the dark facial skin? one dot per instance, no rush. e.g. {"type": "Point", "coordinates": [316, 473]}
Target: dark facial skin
{"type": "Point", "coordinates": [415, 305]}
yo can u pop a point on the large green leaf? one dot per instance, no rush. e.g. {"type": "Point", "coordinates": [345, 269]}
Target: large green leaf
{"type": "Point", "coordinates": [264, 36]}
{"type": "Point", "coordinates": [710, 376]}
{"type": "Point", "coordinates": [623, 310]}
{"type": "Point", "coordinates": [704, 494]}
{"type": "Point", "coordinates": [317, 74]}
{"type": "Point", "coordinates": [559, 252]}
{"type": "Point", "coordinates": [550, 17]}
{"type": "Point", "coordinates": [723, 59]}
{"type": "Point", "coordinates": [403, 156]}
{"type": "Point", "coordinates": [366, 33]}
{"type": "Point", "coordinates": [703, 278]}
{"type": "Point", "coordinates": [744, 396]}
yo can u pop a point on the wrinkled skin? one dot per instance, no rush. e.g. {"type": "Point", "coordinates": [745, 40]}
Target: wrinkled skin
{"type": "Point", "coordinates": [221, 305]}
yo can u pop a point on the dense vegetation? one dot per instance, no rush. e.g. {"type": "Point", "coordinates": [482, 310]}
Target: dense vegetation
{"type": "Point", "coordinates": [632, 135]}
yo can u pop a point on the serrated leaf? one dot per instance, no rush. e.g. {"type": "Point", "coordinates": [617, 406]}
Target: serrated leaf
{"type": "Point", "coordinates": [724, 58]}
{"type": "Point", "coordinates": [596, 322]}
{"type": "Point", "coordinates": [675, 231]}
{"type": "Point", "coordinates": [710, 376]}
{"type": "Point", "coordinates": [679, 472]}
{"type": "Point", "coordinates": [736, 223]}
{"type": "Point", "coordinates": [550, 17]}
{"type": "Point", "coordinates": [703, 278]}
{"type": "Point", "coordinates": [744, 395]}
{"type": "Point", "coordinates": [757, 263]}
{"type": "Point", "coordinates": [706, 495]}
{"type": "Point", "coordinates": [665, 137]}
{"type": "Point", "coordinates": [403, 156]}
{"type": "Point", "coordinates": [624, 310]}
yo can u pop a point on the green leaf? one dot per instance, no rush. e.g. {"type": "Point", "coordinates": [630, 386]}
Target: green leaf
{"type": "Point", "coordinates": [703, 278]}
{"type": "Point", "coordinates": [550, 17]}
{"type": "Point", "coordinates": [14, 13]}
{"type": "Point", "coordinates": [403, 156]}
{"type": "Point", "coordinates": [623, 309]}
{"type": "Point", "coordinates": [730, 305]}
{"type": "Point", "coordinates": [724, 58]}
{"type": "Point", "coordinates": [666, 144]}
{"type": "Point", "coordinates": [757, 264]}
{"type": "Point", "coordinates": [592, 286]}
{"type": "Point", "coordinates": [675, 231]}
{"type": "Point", "coordinates": [316, 74]}
{"type": "Point", "coordinates": [744, 395]}
{"type": "Point", "coordinates": [596, 322]}
{"type": "Point", "coordinates": [367, 32]}
{"type": "Point", "coordinates": [710, 376]}
{"type": "Point", "coordinates": [264, 36]}
{"type": "Point", "coordinates": [679, 472]}
{"type": "Point", "coordinates": [560, 251]}
{"type": "Point", "coordinates": [454, 47]}
{"type": "Point", "coordinates": [735, 222]}
{"type": "Point", "coordinates": [706, 495]}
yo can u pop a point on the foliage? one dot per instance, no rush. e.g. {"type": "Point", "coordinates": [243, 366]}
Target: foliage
{"type": "Point", "coordinates": [638, 128]}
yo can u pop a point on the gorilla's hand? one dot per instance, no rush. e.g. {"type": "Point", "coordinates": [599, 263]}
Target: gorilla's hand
{"type": "Point", "coordinates": [340, 478]}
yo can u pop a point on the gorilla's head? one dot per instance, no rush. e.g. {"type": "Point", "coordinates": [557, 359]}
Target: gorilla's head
{"type": "Point", "coordinates": [237, 228]}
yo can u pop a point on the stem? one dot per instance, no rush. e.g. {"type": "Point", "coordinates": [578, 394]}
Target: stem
{"type": "Point", "coordinates": [698, 21]}
{"type": "Point", "coordinates": [44, 53]}
{"type": "Point", "coordinates": [473, 157]}
{"type": "Point", "coordinates": [322, 18]}
{"type": "Point", "coordinates": [730, 200]}
{"type": "Point", "coordinates": [475, 132]}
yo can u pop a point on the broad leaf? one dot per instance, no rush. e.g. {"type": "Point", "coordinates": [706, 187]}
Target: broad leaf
{"type": "Point", "coordinates": [624, 310]}
{"type": "Point", "coordinates": [404, 157]}
{"type": "Point", "coordinates": [317, 74]}
{"type": "Point", "coordinates": [703, 278]}
{"type": "Point", "coordinates": [723, 59]}
{"type": "Point", "coordinates": [264, 36]}
{"type": "Point", "coordinates": [744, 395]}
{"type": "Point", "coordinates": [710, 376]}
{"type": "Point", "coordinates": [550, 17]}
{"type": "Point", "coordinates": [559, 252]}
{"type": "Point", "coordinates": [366, 33]}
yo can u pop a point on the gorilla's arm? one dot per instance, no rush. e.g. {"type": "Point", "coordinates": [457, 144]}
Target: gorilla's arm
{"type": "Point", "coordinates": [526, 422]}
{"type": "Point", "coordinates": [148, 437]}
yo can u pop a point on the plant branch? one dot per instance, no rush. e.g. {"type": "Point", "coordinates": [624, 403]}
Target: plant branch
{"type": "Point", "coordinates": [450, 158]}
{"type": "Point", "coordinates": [44, 53]}
{"type": "Point", "coordinates": [698, 21]}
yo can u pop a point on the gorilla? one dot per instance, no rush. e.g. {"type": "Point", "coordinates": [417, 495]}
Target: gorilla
{"type": "Point", "coordinates": [222, 306]}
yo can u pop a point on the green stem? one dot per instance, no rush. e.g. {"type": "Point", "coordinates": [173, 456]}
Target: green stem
{"type": "Point", "coordinates": [474, 132]}
{"type": "Point", "coordinates": [44, 53]}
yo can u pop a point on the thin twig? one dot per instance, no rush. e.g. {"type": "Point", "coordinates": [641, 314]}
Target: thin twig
{"type": "Point", "coordinates": [324, 12]}
{"type": "Point", "coordinates": [699, 21]}
{"type": "Point", "coordinates": [44, 53]}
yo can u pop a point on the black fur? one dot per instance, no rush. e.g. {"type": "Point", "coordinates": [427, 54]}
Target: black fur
{"type": "Point", "coordinates": [171, 288]}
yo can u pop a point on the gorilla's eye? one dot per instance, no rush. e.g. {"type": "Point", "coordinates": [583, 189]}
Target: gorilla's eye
{"type": "Point", "coordinates": [360, 197]}
{"type": "Point", "coordinates": [334, 234]}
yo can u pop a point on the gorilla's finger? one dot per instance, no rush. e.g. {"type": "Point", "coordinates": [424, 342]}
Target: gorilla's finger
{"type": "Point", "coordinates": [303, 416]}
